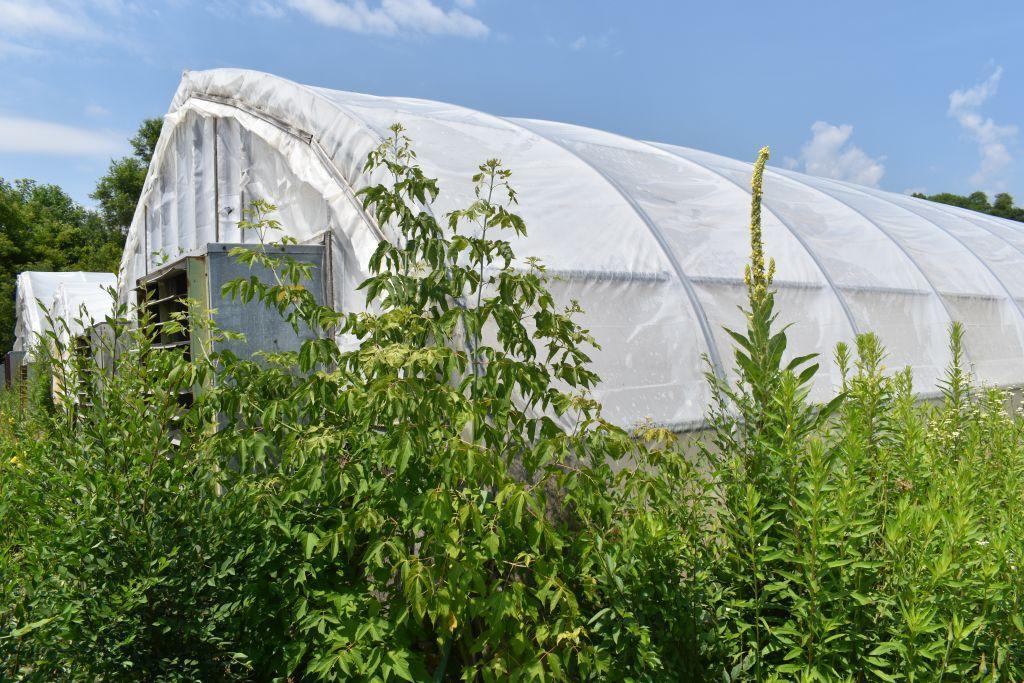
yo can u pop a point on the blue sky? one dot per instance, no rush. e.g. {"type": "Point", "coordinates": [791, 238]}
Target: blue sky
{"type": "Point", "coordinates": [903, 95]}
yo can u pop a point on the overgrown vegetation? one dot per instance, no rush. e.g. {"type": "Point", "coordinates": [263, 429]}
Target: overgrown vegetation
{"type": "Point", "coordinates": [441, 500]}
{"type": "Point", "coordinates": [871, 538]}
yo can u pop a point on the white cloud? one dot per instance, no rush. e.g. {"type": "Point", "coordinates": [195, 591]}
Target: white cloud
{"type": "Point", "coordinates": [55, 27]}
{"type": "Point", "coordinates": [266, 8]}
{"type": "Point", "coordinates": [392, 17]}
{"type": "Point", "coordinates": [992, 139]}
{"type": "Point", "coordinates": [599, 41]}
{"type": "Point", "coordinates": [96, 110]}
{"type": "Point", "coordinates": [829, 153]}
{"type": "Point", "coordinates": [12, 49]}
{"type": "Point", "coordinates": [32, 136]}
{"type": "Point", "coordinates": [30, 18]}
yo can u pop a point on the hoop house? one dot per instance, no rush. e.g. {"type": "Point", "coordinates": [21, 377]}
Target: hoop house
{"type": "Point", "coordinates": [39, 294]}
{"type": "Point", "coordinates": [79, 305]}
{"type": "Point", "coordinates": [650, 238]}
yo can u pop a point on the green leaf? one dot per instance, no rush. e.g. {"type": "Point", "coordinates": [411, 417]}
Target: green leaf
{"type": "Point", "coordinates": [28, 628]}
{"type": "Point", "coordinates": [400, 665]}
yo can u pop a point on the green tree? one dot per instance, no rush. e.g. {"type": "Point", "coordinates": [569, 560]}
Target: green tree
{"type": "Point", "coordinates": [117, 192]}
{"type": "Point", "coordinates": [144, 142]}
{"type": "Point", "coordinates": [43, 228]}
{"type": "Point", "coordinates": [1001, 206]}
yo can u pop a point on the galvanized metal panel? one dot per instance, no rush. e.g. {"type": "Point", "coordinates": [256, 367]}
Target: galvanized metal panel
{"type": "Point", "coordinates": [264, 328]}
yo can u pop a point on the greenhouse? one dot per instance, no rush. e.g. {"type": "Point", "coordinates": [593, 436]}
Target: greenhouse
{"type": "Point", "coordinates": [76, 298]}
{"type": "Point", "coordinates": [79, 305]}
{"type": "Point", "coordinates": [650, 238]}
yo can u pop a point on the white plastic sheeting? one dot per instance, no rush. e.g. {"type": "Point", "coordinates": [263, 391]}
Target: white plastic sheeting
{"type": "Point", "coordinates": [37, 293]}
{"type": "Point", "coordinates": [80, 305]}
{"type": "Point", "coordinates": [650, 238]}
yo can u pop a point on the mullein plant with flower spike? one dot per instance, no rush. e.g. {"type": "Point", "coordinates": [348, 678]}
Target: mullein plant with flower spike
{"type": "Point", "coordinates": [761, 428]}
{"type": "Point", "coordinates": [744, 411]}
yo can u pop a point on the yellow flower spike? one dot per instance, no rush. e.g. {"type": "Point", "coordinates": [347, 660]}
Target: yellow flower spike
{"type": "Point", "coordinates": [757, 277]}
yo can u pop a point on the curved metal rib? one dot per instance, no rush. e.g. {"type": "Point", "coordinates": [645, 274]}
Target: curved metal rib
{"type": "Point", "coordinates": [840, 297]}
{"type": "Point", "coordinates": [659, 237]}
{"type": "Point", "coordinates": [960, 241]}
{"type": "Point", "coordinates": [881, 229]}
{"type": "Point", "coordinates": [958, 213]}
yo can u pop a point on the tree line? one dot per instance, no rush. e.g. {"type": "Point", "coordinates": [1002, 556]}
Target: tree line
{"type": "Point", "coordinates": [1002, 205]}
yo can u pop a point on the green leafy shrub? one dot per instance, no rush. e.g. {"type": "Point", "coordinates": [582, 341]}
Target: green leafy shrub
{"type": "Point", "coordinates": [432, 502]}
{"type": "Point", "coordinates": [429, 514]}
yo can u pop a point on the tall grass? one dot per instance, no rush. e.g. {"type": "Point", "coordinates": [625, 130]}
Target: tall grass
{"type": "Point", "coordinates": [416, 509]}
